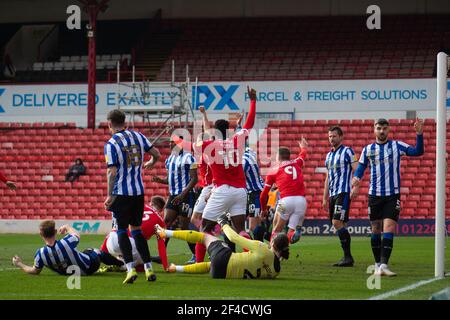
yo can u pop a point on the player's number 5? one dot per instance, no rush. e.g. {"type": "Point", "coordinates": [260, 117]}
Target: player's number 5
{"type": "Point", "coordinates": [291, 170]}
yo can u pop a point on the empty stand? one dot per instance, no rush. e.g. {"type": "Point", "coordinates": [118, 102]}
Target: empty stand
{"type": "Point", "coordinates": [299, 48]}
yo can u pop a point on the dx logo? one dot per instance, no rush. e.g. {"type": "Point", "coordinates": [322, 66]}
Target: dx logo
{"type": "Point", "coordinates": [206, 97]}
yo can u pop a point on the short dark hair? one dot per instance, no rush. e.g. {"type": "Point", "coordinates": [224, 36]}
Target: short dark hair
{"type": "Point", "coordinates": [337, 129]}
{"type": "Point", "coordinates": [381, 122]}
{"type": "Point", "coordinates": [116, 117]}
{"type": "Point", "coordinates": [159, 202]}
{"type": "Point", "coordinates": [222, 125]}
{"type": "Point", "coordinates": [47, 228]}
{"type": "Point", "coordinates": [284, 153]}
{"type": "Point", "coordinates": [281, 244]}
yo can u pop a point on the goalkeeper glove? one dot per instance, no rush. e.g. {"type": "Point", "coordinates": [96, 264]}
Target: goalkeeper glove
{"type": "Point", "coordinates": [223, 220]}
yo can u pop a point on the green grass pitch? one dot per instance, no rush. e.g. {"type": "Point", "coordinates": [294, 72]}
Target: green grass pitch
{"type": "Point", "coordinates": [306, 275]}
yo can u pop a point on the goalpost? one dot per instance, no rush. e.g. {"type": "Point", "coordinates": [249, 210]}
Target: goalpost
{"type": "Point", "coordinates": [441, 136]}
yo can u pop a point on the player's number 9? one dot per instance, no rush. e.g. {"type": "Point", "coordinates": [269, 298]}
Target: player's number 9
{"type": "Point", "coordinates": [291, 170]}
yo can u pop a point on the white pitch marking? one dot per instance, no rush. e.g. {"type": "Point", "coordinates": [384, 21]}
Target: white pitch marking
{"type": "Point", "coordinates": [405, 289]}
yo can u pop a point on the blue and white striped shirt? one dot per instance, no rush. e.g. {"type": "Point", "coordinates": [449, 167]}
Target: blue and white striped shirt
{"type": "Point", "coordinates": [125, 150]}
{"type": "Point", "coordinates": [62, 255]}
{"type": "Point", "coordinates": [339, 165]}
{"type": "Point", "coordinates": [178, 167]}
{"type": "Point", "coordinates": [251, 169]}
{"type": "Point", "coordinates": [384, 162]}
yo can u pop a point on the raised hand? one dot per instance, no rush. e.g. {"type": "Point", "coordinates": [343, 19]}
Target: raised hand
{"type": "Point", "coordinates": [303, 143]}
{"type": "Point", "coordinates": [251, 93]}
{"type": "Point", "coordinates": [418, 126]}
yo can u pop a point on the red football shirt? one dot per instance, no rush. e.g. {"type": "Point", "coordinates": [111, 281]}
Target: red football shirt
{"type": "Point", "coordinates": [288, 177]}
{"type": "Point", "coordinates": [150, 218]}
{"type": "Point", "coordinates": [224, 157]}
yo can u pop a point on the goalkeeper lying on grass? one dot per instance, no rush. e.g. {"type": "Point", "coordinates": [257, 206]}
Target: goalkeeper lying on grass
{"type": "Point", "coordinates": [261, 261]}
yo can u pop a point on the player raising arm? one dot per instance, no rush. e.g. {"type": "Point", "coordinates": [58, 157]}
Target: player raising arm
{"type": "Point", "coordinates": [384, 192]}
{"type": "Point", "coordinates": [287, 175]}
{"type": "Point", "coordinates": [224, 156]}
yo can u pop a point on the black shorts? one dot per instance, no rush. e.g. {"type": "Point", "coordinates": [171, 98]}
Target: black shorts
{"type": "Point", "coordinates": [384, 207]}
{"type": "Point", "coordinates": [127, 210]}
{"type": "Point", "coordinates": [339, 207]}
{"type": "Point", "coordinates": [253, 204]}
{"type": "Point", "coordinates": [184, 208]}
{"type": "Point", "coordinates": [95, 261]}
{"type": "Point", "coordinates": [219, 254]}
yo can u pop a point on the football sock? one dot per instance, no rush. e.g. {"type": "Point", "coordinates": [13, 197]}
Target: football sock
{"type": "Point", "coordinates": [169, 234]}
{"type": "Point", "coordinates": [141, 245]}
{"type": "Point", "coordinates": [345, 238]}
{"type": "Point", "coordinates": [200, 252]}
{"type": "Point", "coordinates": [375, 241]}
{"type": "Point", "coordinates": [258, 233]}
{"type": "Point", "coordinates": [130, 265]}
{"type": "Point", "coordinates": [386, 246]}
{"type": "Point", "coordinates": [188, 235]}
{"type": "Point", "coordinates": [125, 245]}
{"type": "Point", "coordinates": [109, 259]}
{"type": "Point", "coordinates": [192, 247]}
{"type": "Point", "coordinates": [230, 244]}
{"type": "Point", "coordinates": [148, 266]}
{"type": "Point", "coordinates": [202, 267]}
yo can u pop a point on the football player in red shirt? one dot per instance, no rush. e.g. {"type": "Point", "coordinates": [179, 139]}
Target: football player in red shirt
{"type": "Point", "coordinates": [224, 156]}
{"type": "Point", "coordinates": [287, 175]}
{"type": "Point", "coordinates": [152, 216]}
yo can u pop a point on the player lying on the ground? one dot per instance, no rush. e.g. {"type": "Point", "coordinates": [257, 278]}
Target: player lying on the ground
{"type": "Point", "coordinates": [59, 255]}
{"type": "Point", "coordinates": [151, 217]}
{"type": "Point", "coordinates": [261, 261]}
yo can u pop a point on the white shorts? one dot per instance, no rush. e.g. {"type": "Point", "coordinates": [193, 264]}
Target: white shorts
{"type": "Point", "coordinates": [226, 199]}
{"type": "Point", "coordinates": [112, 244]}
{"type": "Point", "coordinates": [200, 204]}
{"type": "Point", "coordinates": [292, 209]}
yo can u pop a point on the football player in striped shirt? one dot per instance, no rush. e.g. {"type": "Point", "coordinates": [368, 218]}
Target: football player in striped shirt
{"type": "Point", "coordinates": [124, 154]}
{"type": "Point", "coordinates": [255, 185]}
{"type": "Point", "coordinates": [340, 162]}
{"type": "Point", "coordinates": [384, 192]}
{"type": "Point", "coordinates": [181, 179]}
{"type": "Point", "coordinates": [59, 255]}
